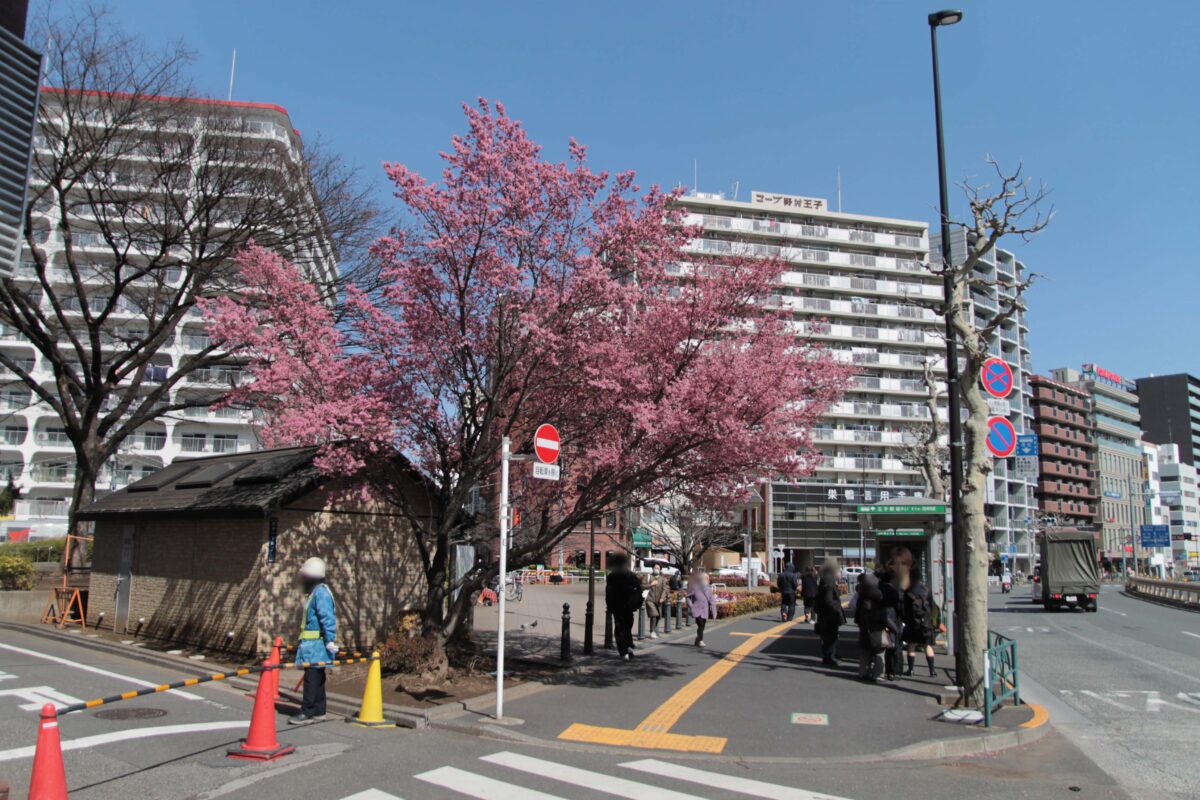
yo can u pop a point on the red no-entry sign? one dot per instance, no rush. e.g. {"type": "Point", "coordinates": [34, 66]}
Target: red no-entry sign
{"type": "Point", "coordinates": [546, 444]}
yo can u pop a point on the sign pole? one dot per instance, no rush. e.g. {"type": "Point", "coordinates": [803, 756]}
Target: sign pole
{"type": "Point", "coordinates": [505, 448]}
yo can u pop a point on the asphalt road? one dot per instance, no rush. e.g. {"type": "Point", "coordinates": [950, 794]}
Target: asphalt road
{"type": "Point", "coordinates": [1122, 683]}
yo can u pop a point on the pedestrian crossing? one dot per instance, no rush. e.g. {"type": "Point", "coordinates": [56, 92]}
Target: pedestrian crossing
{"type": "Point", "coordinates": [670, 781]}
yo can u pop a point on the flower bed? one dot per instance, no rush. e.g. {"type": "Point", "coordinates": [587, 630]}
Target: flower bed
{"type": "Point", "coordinates": [747, 604]}
{"type": "Point", "coordinates": [733, 580]}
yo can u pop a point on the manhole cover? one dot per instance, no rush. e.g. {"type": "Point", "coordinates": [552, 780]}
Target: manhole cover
{"type": "Point", "coordinates": [130, 713]}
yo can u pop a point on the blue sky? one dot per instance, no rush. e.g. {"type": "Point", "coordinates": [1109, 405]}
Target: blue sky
{"type": "Point", "coordinates": [1099, 104]}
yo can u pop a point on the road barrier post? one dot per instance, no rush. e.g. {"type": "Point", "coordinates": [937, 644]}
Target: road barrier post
{"type": "Point", "coordinates": [260, 743]}
{"type": "Point", "coordinates": [49, 778]}
{"type": "Point", "coordinates": [564, 651]}
{"type": "Point", "coordinates": [370, 713]}
{"type": "Point", "coordinates": [642, 622]}
{"type": "Point", "coordinates": [681, 619]}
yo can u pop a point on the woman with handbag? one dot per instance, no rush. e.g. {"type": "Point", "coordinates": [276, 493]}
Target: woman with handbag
{"type": "Point", "coordinates": [656, 595]}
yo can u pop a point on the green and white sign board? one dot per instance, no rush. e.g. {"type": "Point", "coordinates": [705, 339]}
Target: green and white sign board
{"type": "Point", "coordinates": [901, 509]}
{"type": "Point", "coordinates": [906, 534]}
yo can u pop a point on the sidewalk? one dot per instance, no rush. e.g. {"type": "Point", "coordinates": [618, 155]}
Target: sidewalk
{"type": "Point", "coordinates": [757, 691]}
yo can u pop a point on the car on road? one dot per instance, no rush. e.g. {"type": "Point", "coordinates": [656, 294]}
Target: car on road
{"type": "Point", "coordinates": [851, 573]}
{"type": "Point", "coordinates": [647, 566]}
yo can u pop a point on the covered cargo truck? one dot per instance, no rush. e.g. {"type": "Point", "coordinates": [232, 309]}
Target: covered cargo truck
{"type": "Point", "coordinates": [1070, 575]}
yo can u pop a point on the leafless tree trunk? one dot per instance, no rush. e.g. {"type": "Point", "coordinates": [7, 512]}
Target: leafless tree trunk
{"type": "Point", "coordinates": [686, 527]}
{"type": "Point", "coordinates": [150, 192]}
{"type": "Point", "coordinates": [1012, 208]}
{"type": "Point", "coordinates": [924, 447]}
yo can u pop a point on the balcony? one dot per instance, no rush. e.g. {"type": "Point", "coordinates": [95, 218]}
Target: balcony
{"type": "Point", "coordinates": [1068, 508]}
{"type": "Point", "coordinates": [61, 475]}
{"type": "Point", "coordinates": [52, 438]}
{"type": "Point", "coordinates": [796, 230]}
{"type": "Point", "coordinates": [1046, 394]}
{"type": "Point", "coordinates": [1081, 491]}
{"type": "Point", "coordinates": [719, 247]}
{"type": "Point", "coordinates": [864, 285]}
{"type": "Point", "coordinates": [39, 508]}
{"type": "Point", "coordinates": [1061, 470]}
{"type": "Point", "coordinates": [13, 436]}
{"type": "Point", "coordinates": [1063, 434]}
{"type": "Point", "coordinates": [1055, 450]}
{"type": "Point", "coordinates": [848, 436]}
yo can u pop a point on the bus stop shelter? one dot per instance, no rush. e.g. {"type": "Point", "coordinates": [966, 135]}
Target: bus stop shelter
{"type": "Point", "coordinates": [912, 532]}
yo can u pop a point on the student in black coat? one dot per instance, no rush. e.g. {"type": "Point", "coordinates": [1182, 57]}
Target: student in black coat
{"type": "Point", "coordinates": [830, 615]}
{"type": "Point", "coordinates": [808, 589]}
{"type": "Point", "coordinates": [919, 629]}
{"type": "Point", "coordinates": [893, 604]}
{"type": "Point", "coordinates": [871, 618]}
{"type": "Point", "coordinates": [623, 597]}
{"type": "Point", "coordinates": [786, 582]}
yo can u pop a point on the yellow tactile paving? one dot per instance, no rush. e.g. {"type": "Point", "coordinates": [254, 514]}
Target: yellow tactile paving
{"type": "Point", "coordinates": [653, 733]}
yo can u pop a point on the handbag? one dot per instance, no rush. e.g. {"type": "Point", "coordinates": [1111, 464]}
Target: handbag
{"type": "Point", "coordinates": [888, 639]}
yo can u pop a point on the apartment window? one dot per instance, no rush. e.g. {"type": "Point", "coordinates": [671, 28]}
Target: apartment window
{"type": "Point", "coordinates": [225, 442]}
{"type": "Point", "coordinates": [14, 434]}
{"type": "Point", "coordinates": [193, 442]}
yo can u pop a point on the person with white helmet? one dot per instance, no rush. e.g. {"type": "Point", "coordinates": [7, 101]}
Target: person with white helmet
{"type": "Point", "coordinates": [318, 634]}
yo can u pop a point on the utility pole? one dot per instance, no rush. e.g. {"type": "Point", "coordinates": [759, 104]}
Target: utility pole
{"type": "Point", "coordinates": [590, 614]}
{"type": "Point", "coordinates": [505, 452]}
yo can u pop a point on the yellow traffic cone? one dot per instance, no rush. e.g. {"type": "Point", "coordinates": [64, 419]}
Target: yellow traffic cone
{"type": "Point", "coordinates": [370, 714]}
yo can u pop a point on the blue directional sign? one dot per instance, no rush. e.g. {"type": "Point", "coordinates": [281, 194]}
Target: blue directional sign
{"type": "Point", "coordinates": [1156, 536]}
{"type": "Point", "coordinates": [1002, 437]}
{"type": "Point", "coordinates": [1027, 444]}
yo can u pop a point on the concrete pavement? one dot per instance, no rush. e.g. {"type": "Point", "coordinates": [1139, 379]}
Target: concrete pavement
{"type": "Point", "coordinates": [1122, 683]}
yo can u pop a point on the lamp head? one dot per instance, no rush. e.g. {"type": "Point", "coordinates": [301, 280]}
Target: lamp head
{"type": "Point", "coordinates": [942, 18]}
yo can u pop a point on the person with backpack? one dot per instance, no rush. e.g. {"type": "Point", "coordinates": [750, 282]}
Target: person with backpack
{"type": "Point", "coordinates": [808, 591]}
{"type": "Point", "coordinates": [623, 597]}
{"type": "Point", "coordinates": [829, 612]}
{"type": "Point", "coordinates": [871, 617]}
{"type": "Point", "coordinates": [919, 624]}
{"type": "Point", "coordinates": [786, 583]}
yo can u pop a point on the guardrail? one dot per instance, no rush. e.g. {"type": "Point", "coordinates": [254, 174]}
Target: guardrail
{"type": "Point", "coordinates": [1176, 593]}
{"type": "Point", "coordinates": [1000, 681]}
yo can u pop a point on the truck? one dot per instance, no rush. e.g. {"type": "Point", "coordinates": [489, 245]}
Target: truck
{"type": "Point", "coordinates": [1069, 576]}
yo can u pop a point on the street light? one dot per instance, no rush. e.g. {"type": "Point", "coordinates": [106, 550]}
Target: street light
{"type": "Point", "coordinates": [937, 20]}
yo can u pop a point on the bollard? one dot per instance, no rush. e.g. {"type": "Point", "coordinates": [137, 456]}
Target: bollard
{"type": "Point", "coordinates": [642, 622]}
{"type": "Point", "coordinates": [681, 618]}
{"type": "Point", "coordinates": [608, 630]}
{"type": "Point", "coordinates": [564, 652]}
{"type": "Point", "coordinates": [588, 617]}
{"type": "Point", "coordinates": [666, 614]}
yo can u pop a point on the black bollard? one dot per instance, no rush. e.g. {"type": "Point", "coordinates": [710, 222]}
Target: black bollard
{"type": "Point", "coordinates": [642, 622]}
{"type": "Point", "coordinates": [564, 652]}
{"type": "Point", "coordinates": [608, 630]}
{"type": "Point", "coordinates": [589, 617]}
{"type": "Point", "coordinates": [665, 609]}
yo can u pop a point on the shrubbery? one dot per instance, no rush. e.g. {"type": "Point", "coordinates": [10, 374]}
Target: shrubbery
{"type": "Point", "coordinates": [16, 573]}
{"type": "Point", "coordinates": [763, 580]}
{"type": "Point", "coordinates": [37, 550]}
{"type": "Point", "coordinates": [748, 604]}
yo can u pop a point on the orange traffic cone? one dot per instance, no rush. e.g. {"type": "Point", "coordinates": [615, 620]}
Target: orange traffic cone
{"type": "Point", "coordinates": [274, 659]}
{"type": "Point", "coordinates": [49, 779]}
{"type": "Point", "coordinates": [260, 743]}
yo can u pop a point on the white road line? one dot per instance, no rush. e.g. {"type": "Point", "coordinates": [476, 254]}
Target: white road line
{"type": "Point", "coordinates": [589, 780]}
{"type": "Point", "coordinates": [1189, 633]}
{"type": "Point", "coordinates": [729, 783]}
{"type": "Point", "coordinates": [304, 757]}
{"type": "Point", "coordinates": [1110, 701]}
{"type": "Point", "coordinates": [95, 670]}
{"type": "Point", "coordinates": [371, 794]}
{"type": "Point", "coordinates": [127, 735]}
{"type": "Point", "coordinates": [472, 785]}
{"type": "Point", "coordinates": [1112, 611]}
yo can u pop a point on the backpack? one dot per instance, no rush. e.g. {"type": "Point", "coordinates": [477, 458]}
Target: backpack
{"type": "Point", "coordinates": [920, 609]}
{"type": "Point", "coordinates": [675, 583]}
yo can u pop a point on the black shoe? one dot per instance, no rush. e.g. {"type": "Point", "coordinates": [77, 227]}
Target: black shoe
{"type": "Point", "coordinates": [889, 677]}
{"type": "Point", "coordinates": [829, 662]}
{"type": "Point", "coordinates": [908, 672]}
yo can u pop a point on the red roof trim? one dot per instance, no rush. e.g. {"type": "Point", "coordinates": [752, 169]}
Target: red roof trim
{"type": "Point", "coordinates": [207, 101]}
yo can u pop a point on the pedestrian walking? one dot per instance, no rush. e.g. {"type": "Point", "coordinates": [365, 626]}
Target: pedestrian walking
{"type": "Point", "coordinates": [919, 628]}
{"type": "Point", "coordinates": [786, 583]}
{"type": "Point", "coordinates": [893, 604]}
{"type": "Point", "coordinates": [701, 603]}
{"type": "Point", "coordinates": [871, 618]}
{"type": "Point", "coordinates": [808, 589]}
{"type": "Point", "coordinates": [656, 597]}
{"type": "Point", "coordinates": [830, 616]}
{"type": "Point", "coordinates": [318, 636]}
{"type": "Point", "coordinates": [623, 597]}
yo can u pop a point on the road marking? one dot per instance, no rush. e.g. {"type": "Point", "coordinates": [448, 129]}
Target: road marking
{"type": "Point", "coordinates": [37, 696]}
{"type": "Point", "coordinates": [809, 719]}
{"type": "Point", "coordinates": [581, 777]}
{"type": "Point", "coordinates": [1125, 653]}
{"type": "Point", "coordinates": [744, 633]}
{"type": "Point", "coordinates": [1112, 611]}
{"type": "Point", "coordinates": [1189, 633]}
{"type": "Point", "coordinates": [1103, 699]}
{"type": "Point", "coordinates": [307, 756]}
{"type": "Point", "coordinates": [729, 783]}
{"type": "Point", "coordinates": [652, 733]}
{"type": "Point", "coordinates": [127, 735]}
{"type": "Point", "coordinates": [371, 794]}
{"type": "Point", "coordinates": [1040, 717]}
{"type": "Point", "coordinates": [95, 670]}
{"type": "Point", "coordinates": [468, 783]}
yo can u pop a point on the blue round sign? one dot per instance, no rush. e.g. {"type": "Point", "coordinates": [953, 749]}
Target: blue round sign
{"type": "Point", "coordinates": [997, 378]}
{"type": "Point", "coordinates": [1002, 437]}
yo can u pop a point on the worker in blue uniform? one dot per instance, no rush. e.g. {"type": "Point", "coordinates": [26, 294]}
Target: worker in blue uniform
{"type": "Point", "coordinates": [318, 636]}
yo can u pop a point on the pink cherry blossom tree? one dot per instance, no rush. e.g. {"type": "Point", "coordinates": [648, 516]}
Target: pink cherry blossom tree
{"type": "Point", "coordinates": [520, 291]}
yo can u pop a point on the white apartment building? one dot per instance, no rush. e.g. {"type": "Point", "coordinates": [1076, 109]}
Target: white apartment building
{"type": "Point", "coordinates": [1179, 490]}
{"type": "Point", "coordinates": [1011, 499]}
{"type": "Point", "coordinates": [34, 451]}
{"type": "Point", "coordinates": [848, 286]}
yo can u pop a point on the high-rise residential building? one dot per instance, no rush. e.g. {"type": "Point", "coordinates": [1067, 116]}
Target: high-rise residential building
{"type": "Point", "coordinates": [1179, 488]}
{"type": "Point", "coordinates": [34, 449]}
{"type": "Point", "coordinates": [849, 284]}
{"type": "Point", "coordinates": [20, 68]}
{"type": "Point", "coordinates": [1120, 460]}
{"type": "Point", "coordinates": [1170, 408]}
{"type": "Point", "coordinates": [1011, 498]}
{"type": "Point", "coordinates": [1066, 493]}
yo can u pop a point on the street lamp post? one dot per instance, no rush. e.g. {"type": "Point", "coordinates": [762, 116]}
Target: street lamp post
{"type": "Point", "coordinates": [937, 20]}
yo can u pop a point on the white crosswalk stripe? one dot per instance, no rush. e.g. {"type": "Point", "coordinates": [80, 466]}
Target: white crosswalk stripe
{"type": "Point", "coordinates": [729, 783]}
{"type": "Point", "coordinates": [371, 794]}
{"type": "Point", "coordinates": [608, 784]}
{"type": "Point", "coordinates": [480, 786]}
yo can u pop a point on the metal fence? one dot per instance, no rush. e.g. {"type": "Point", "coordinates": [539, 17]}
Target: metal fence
{"type": "Point", "coordinates": [1000, 681]}
{"type": "Point", "coordinates": [1176, 593]}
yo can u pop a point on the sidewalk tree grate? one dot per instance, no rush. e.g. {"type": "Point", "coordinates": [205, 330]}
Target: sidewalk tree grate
{"type": "Point", "coordinates": [130, 713]}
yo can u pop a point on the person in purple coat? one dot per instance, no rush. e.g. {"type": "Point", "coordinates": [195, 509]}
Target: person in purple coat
{"type": "Point", "coordinates": [701, 603]}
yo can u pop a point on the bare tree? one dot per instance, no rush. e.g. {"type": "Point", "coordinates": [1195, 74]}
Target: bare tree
{"type": "Point", "coordinates": [1012, 208]}
{"type": "Point", "coordinates": [686, 526]}
{"type": "Point", "coordinates": [148, 193]}
{"type": "Point", "coordinates": [924, 442]}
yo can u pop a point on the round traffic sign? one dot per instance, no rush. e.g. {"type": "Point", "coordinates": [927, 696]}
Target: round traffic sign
{"type": "Point", "coordinates": [997, 378]}
{"type": "Point", "coordinates": [1002, 437]}
{"type": "Point", "coordinates": [546, 444]}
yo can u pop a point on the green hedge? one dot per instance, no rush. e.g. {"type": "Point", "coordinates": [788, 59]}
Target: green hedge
{"type": "Point", "coordinates": [17, 573]}
{"type": "Point", "coordinates": [749, 604]}
{"type": "Point", "coordinates": [37, 550]}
